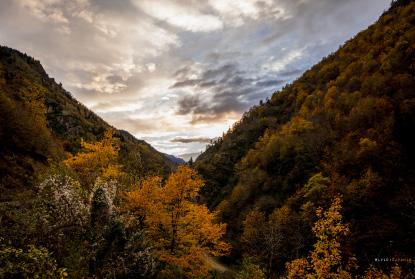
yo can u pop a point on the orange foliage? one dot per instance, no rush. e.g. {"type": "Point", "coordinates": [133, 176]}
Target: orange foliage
{"type": "Point", "coordinates": [185, 232]}
{"type": "Point", "coordinates": [325, 261]}
{"type": "Point", "coordinates": [98, 160]}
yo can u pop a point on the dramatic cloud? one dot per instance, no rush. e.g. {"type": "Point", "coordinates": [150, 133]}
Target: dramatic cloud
{"type": "Point", "coordinates": [191, 139]}
{"type": "Point", "coordinates": [221, 92]}
{"type": "Point", "coordinates": [173, 72]}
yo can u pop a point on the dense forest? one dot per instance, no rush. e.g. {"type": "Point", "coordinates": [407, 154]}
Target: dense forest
{"type": "Point", "coordinates": [345, 127]}
{"type": "Point", "coordinates": [315, 182]}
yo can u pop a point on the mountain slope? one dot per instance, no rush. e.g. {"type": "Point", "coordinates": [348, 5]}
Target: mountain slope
{"type": "Point", "coordinates": [344, 127]}
{"type": "Point", "coordinates": [174, 159]}
{"type": "Point", "coordinates": [40, 122]}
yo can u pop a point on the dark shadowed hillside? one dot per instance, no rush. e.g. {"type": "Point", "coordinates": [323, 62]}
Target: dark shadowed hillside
{"type": "Point", "coordinates": [40, 122]}
{"type": "Point", "coordinates": [344, 127]}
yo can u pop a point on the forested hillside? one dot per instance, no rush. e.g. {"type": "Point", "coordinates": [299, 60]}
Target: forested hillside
{"type": "Point", "coordinates": [343, 128]}
{"type": "Point", "coordinates": [41, 122]}
{"type": "Point", "coordinates": [80, 199]}
{"type": "Point", "coordinates": [315, 182]}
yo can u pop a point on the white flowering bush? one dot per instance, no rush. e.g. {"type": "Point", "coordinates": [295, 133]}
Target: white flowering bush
{"type": "Point", "coordinates": [62, 200]}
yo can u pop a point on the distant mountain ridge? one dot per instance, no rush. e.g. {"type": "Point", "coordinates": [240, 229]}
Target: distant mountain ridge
{"type": "Point", "coordinates": [174, 159]}
{"type": "Point", "coordinates": [188, 156]}
{"type": "Point", "coordinates": [41, 121]}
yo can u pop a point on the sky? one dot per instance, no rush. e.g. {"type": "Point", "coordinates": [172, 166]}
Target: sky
{"type": "Point", "coordinates": [179, 73]}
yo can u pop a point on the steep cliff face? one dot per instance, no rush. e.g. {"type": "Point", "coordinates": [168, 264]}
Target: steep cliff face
{"type": "Point", "coordinates": [349, 120]}
{"type": "Point", "coordinates": [40, 122]}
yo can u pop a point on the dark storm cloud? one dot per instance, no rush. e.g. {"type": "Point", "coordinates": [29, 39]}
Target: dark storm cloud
{"type": "Point", "coordinates": [182, 72]}
{"type": "Point", "coordinates": [215, 107]}
{"type": "Point", "coordinates": [188, 104]}
{"type": "Point", "coordinates": [269, 83]}
{"type": "Point", "coordinates": [184, 83]}
{"type": "Point", "coordinates": [207, 84]}
{"type": "Point", "coordinates": [222, 90]}
{"type": "Point", "coordinates": [191, 139]}
{"type": "Point", "coordinates": [223, 102]}
{"type": "Point", "coordinates": [223, 72]}
{"type": "Point", "coordinates": [209, 77]}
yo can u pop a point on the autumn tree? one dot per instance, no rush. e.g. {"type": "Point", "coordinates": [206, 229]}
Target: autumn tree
{"type": "Point", "coordinates": [325, 261]}
{"type": "Point", "coordinates": [185, 232]}
{"type": "Point", "coordinates": [99, 159]}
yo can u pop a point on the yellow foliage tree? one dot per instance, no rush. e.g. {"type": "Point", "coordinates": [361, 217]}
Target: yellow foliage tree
{"type": "Point", "coordinates": [99, 159]}
{"type": "Point", "coordinates": [325, 261]}
{"type": "Point", "coordinates": [185, 232]}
